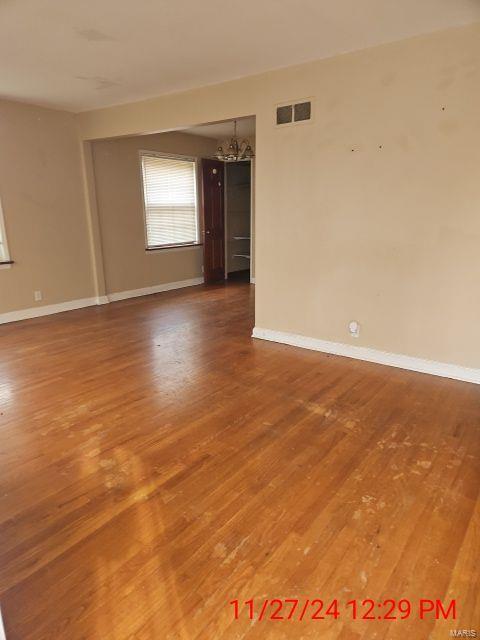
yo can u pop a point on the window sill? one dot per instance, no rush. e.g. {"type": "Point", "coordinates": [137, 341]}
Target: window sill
{"type": "Point", "coordinates": [6, 264]}
{"type": "Point", "coordinates": [174, 246]}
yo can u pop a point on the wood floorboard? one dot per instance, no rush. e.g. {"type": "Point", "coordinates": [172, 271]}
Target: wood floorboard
{"type": "Point", "coordinates": [156, 463]}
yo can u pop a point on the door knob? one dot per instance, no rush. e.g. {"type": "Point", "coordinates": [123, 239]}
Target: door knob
{"type": "Point", "coordinates": [207, 231]}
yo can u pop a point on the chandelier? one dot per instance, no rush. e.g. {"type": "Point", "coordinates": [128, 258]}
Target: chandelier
{"type": "Point", "coordinates": [236, 150]}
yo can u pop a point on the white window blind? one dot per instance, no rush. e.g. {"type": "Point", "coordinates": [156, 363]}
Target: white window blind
{"type": "Point", "coordinates": [4, 257]}
{"type": "Point", "coordinates": [3, 253]}
{"type": "Point", "coordinates": [170, 199]}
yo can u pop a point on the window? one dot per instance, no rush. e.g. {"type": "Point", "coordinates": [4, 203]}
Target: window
{"type": "Point", "coordinates": [170, 200]}
{"type": "Point", "coordinates": [4, 255]}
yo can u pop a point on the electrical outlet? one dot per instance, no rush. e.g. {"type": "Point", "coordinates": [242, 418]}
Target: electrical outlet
{"type": "Point", "coordinates": [354, 329]}
{"type": "Point", "coordinates": [37, 296]}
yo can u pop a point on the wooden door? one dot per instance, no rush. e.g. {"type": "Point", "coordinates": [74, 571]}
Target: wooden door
{"type": "Point", "coordinates": [213, 220]}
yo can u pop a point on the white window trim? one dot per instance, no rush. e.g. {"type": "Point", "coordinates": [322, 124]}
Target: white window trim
{"type": "Point", "coordinates": [5, 262]}
{"type": "Point", "coordinates": [176, 156]}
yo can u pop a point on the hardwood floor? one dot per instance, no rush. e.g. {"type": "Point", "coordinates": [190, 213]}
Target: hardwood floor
{"type": "Point", "coordinates": [158, 463]}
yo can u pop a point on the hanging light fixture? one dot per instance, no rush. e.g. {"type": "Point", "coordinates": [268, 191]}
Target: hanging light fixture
{"type": "Point", "coordinates": [236, 150]}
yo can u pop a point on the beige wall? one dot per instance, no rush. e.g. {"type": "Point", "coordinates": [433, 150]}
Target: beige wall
{"type": "Point", "coordinates": [43, 203]}
{"type": "Point", "coordinates": [386, 236]}
{"type": "Point", "coordinates": [119, 198]}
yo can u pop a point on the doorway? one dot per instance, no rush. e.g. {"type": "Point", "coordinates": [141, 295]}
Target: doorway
{"type": "Point", "coordinates": [226, 190]}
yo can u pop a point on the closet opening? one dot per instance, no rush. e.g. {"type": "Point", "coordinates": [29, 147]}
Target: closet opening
{"type": "Point", "coordinates": [238, 221]}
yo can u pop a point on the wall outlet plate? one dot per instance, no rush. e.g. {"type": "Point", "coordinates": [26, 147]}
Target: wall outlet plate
{"type": "Point", "coordinates": [354, 329]}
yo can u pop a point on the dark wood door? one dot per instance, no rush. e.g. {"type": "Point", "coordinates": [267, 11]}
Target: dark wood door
{"type": "Point", "coordinates": [213, 220]}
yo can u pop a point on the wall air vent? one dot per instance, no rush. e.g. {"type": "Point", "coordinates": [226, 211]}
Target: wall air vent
{"type": "Point", "coordinates": [302, 111]}
{"type": "Point", "coordinates": [284, 114]}
{"type": "Point", "coordinates": [293, 113]}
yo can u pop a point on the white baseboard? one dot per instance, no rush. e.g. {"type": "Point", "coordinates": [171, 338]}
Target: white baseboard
{"type": "Point", "coordinates": [146, 291]}
{"type": "Point", "coordinates": [49, 309]}
{"type": "Point", "coordinates": [445, 370]}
